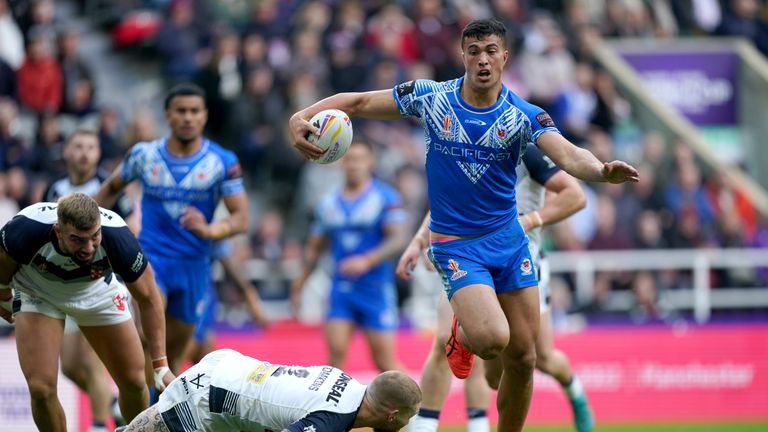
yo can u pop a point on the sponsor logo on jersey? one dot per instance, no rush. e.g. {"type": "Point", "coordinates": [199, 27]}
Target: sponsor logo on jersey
{"type": "Point", "coordinates": [526, 268]}
{"type": "Point", "coordinates": [406, 88]}
{"type": "Point", "coordinates": [338, 388]}
{"type": "Point", "coordinates": [324, 374]}
{"type": "Point", "coordinates": [310, 428]}
{"type": "Point", "coordinates": [260, 373]}
{"type": "Point", "coordinates": [475, 122]}
{"type": "Point", "coordinates": [119, 301]}
{"type": "Point", "coordinates": [457, 272]}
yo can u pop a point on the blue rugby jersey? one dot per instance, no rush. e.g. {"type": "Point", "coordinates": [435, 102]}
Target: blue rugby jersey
{"type": "Point", "coordinates": [471, 152]}
{"type": "Point", "coordinates": [170, 184]}
{"type": "Point", "coordinates": [356, 226]}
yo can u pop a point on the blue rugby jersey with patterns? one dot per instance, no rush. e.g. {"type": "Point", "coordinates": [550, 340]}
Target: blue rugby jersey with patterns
{"type": "Point", "coordinates": [471, 153]}
{"type": "Point", "coordinates": [356, 226]}
{"type": "Point", "coordinates": [170, 184]}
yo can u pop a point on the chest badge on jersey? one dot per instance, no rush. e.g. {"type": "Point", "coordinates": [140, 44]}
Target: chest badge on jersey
{"type": "Point", "coordinates": [449, 129]}
{"type": "Point", "coordinates": [457, 272]}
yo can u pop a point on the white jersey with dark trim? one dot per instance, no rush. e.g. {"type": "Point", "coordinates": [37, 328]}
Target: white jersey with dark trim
{"type": "Point", "coordinates": [63, 186]}
{"type": "Point", "coordinates": [532, 174]}
{"type": "Point", "coordinates": [30, 240]}
{"type": "Point", "coordinates": [254, 395]}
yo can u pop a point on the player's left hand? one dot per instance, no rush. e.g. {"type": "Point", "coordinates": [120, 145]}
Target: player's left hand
{"type": "Point", "coordinates": [194, 220]}
{"type": "Point", "coordinates": [355, 265]}
{"type": "Point", "coordinates": [301, 129]}
{"type": "Point", "coordinates": [619, 172]}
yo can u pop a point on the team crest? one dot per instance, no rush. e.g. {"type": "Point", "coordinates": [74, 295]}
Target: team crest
{"type": "Point", "coordinates": [119, 301]}
{"type": "Point", "coordinates": [457, 272]}
{"type": "Point", "coordinates": [96, 272]}
{"type": "Point", "coordinates": [526, 268]}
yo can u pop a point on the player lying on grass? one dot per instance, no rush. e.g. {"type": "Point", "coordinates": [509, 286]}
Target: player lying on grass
{"type": "Point", "coordinates": [228, 391]}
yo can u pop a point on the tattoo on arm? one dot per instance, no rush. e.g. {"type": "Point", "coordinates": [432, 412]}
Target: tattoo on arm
{"type": "Point", "coordinates": [149, 420]}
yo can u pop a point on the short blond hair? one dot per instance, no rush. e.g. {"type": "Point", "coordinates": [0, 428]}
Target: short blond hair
{"type": "Point", "coordinates": [78, 210]}
{"type": "Point", "coordinates": [394, 390]}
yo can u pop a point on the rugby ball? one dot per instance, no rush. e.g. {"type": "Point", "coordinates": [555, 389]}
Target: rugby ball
{"type": "Point", "coordinates": [335, 134]}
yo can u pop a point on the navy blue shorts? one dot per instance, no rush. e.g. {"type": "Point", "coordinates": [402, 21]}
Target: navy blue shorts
{"type": "Point", "coordinates": [500, 259]}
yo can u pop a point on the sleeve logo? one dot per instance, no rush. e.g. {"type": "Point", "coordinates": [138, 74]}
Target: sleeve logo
{"type": "Point", "coordinates": [406, 88]}
{"type": "Point", "coordinates": [545, 120]}
{"type": "Point", "coordinates": [137, 263]}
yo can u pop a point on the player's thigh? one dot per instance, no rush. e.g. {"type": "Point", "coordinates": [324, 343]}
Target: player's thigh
{"type": "Point", "coordinates": [482, 319]}
{"type": "Point", "coordinates": [521, 308]}
{"type": "Point", "coordinates": [119, 347]}
{"type": "Point", "coordinates": [76, 353]}
{"type": "Point", "coordinates": [38, 342]}
{"type": "Point", "coordinates": [338, 334]}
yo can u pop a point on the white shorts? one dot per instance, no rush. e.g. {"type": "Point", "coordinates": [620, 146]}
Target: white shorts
{"type": "Point", "coordinates": [184, 403]}
{"type": "Point", "coordinates": [544, 278]}
{"type": "Point", "coordinates": [109, 305]}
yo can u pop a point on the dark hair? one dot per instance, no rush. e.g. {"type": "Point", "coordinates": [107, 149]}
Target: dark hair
{"type": "Point", "coordinates": [360, 140]}
{"type": "Point", "coordinates": [184, 89]}
{"type": "Point", "coordinates": [480, 28]}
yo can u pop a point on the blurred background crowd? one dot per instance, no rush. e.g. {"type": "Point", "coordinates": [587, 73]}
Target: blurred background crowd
{"type": "Point", "coordinates": [107, 64]}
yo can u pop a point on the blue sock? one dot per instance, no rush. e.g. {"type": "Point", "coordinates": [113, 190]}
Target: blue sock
{"type": "Point", "coordinates": [98, 424]}
{"type": "Point", "coordinates": [428, 413]}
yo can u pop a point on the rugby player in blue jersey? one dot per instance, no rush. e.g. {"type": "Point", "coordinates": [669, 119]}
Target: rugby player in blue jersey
{"type": "Point", "coordinates": [183, 178]}
{"type": "Point", "coordinates": [364, 223]}
{"type": "Point", "coordinates": [476, 131]}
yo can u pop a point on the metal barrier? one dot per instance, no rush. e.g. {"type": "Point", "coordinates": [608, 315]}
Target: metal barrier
{"type": "Point", "coordinates": [701, 297]}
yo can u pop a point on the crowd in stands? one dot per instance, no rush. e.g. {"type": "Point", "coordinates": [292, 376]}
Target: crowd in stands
{"type": "Point", "coordinates": [259, 61]}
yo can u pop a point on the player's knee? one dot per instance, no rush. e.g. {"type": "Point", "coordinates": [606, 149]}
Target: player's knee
{"type": "Point", "coordinates": [493, 377]}
{"type": "Point", "coordinates": [543, 360]}
{"type": "Point", "coordinates": [42, 388]}
{"type": "Point", "coordinates": [131, 381]}
{"type": "Point", "coordinates": [519, 359]}
{"type": "Point", "coordinates": [491, 343]}
{"type": "Point", "coordinates": [74, 371]}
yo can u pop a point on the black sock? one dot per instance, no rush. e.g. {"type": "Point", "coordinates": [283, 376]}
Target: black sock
{"type": "Point", "coordinates": [428, 413]}
{"type": "Point", "coordinates": [98, 424]}
{"type": "Point", "coordinates": [476, 413]}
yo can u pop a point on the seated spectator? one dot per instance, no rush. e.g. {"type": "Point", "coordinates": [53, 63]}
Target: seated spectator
{"type": "Point", "coordinates": [39, 78]}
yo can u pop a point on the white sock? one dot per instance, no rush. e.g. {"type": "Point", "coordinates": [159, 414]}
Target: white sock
{"type": "Point", "coordinates": [574, 390]}
{"type": "Point", "coordinates": [478, 424]}
{"type": "Point", "coordinates": [422, 424]}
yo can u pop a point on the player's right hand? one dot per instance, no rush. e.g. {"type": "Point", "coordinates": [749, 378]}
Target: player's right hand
{"type": "Point", "coordinates": [408, 261]}
{"type": "Point", "coordinates": [300, 130]}
{"type": "Point", "coordinates": [163, 377]}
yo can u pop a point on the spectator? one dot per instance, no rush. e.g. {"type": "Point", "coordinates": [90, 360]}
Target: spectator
{"type": "Point", "coordinates": [12, 46]}
{"type": "Point", "coordinates": [13, 149]}
{"type": "Point", "coordinates": [39, 78]}
{"type": "Point", "coordinates": [178, 42]}
{"type": "Point", "coordinates": [222, 83]}
{"type": "Point", "coordinates": [742, 19]}
{"type": "Point", "coordinates": [78, 90]}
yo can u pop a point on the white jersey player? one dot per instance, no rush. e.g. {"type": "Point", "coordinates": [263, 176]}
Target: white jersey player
{"type": "Point", "coordinates": [229, 391]}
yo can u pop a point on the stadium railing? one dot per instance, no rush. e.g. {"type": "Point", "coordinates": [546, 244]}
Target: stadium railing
{"type": "Point", "coordinates": [702, 298]}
